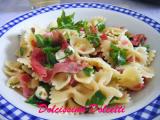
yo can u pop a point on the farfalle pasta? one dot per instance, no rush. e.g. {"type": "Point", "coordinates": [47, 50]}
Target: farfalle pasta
{"type": "Point", "coordinates": [80, 63]}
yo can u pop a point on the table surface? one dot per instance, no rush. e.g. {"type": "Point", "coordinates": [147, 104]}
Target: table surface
{"type": "Point", "coordinates": [10, 9]}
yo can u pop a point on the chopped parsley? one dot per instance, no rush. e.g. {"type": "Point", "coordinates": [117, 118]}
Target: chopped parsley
{"type": "Point", "coordinates": [101, 26]}
{"type": "Point", "coordinates": [113, 100]}
{"type": "Point", "coordinates": [51, 60]}
{"type": "Point", "coordinates": [94, 39]}
{"type": "Point", "coordinates": [50, 54]}
{"type": "Point", "coordinates": [51, 49]}
{"type": "Point", "coordinates": [68, 52]}
{"type": "Point", "coordinates": [88, 71]}
{"type": "Point", "coordinates": [33, 100]}
{"type": "Point", "coordinates": [81, 24]}
{"type": "Point", "coordinates": [43, 42]}
{"type": "Point", "coordinates": [65, 21]}
{"type": "Point", "coordinates": [46, 86]}
{"type": "Point", "coordinates": [98, 98]}
{"type": "Point", "coordinates": [118, 55]}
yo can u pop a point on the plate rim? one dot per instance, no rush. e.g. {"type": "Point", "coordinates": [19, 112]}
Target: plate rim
{"type": "Point", "coordinates": [155, 25]}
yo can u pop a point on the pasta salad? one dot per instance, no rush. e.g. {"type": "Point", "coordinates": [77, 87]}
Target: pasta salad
{"type": "Point", "coordinates": [80, 63]}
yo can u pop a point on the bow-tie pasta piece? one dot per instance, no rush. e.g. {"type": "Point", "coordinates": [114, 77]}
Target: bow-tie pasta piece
{"type": "Point", "coordinates": [61, 80]}
{"type": "Point", "coordinates": [82, 45]}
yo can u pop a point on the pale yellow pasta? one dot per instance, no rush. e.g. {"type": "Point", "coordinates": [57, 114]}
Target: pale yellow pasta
{"type": "Point", "coordinates": [27, 70]}
{"type": "Point", "coordinates": [12, 68]}
{"type": "Point", "coordinates": [151, 56]}
{"type": "Point", "coordinates": [130, 82]}
{"type": "Point", "coordinates": [80, 94]}
{"type": "Point", "coordinates": [71, 104]}
{"type": "Point", "coordinates": [69, 33]}
{"type": "Point", "coordinates": [83, 78]}
{"type": "Point", "coordinates": [94, 21]}
{"type": "Point", "coordinates": [13, 82]}
{"type": "Point", "coordinates": [110, 92]}
{"type": "Point", "coordinates": [25, 61]}
{"type": "Point", "coordinates": [61, 80]}
{"type": "Point", "coordinates": [105, 49]}
{"type": "Point", "coordinates": [114, 32]}
{"type": "Point", "coordinates": [97, 62]}
{"type": "Point", "coordinates": [123, 100]}
{"type": "Point", "coordinates": [103, 77]}
{"type": "Point", "coordinates": [82, 45]}
{"type": "Point", "coordinates": [59, 96]}
{"type": "Point", "coordinates": [142, 55]}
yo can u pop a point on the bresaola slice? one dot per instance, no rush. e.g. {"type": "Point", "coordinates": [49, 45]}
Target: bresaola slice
{"type": "Point", "coordinates": [65, 67]}
{"type": "Point", "coordinates": [138, 39]}
{"type": "Point", "coordinates": [25, 79]}
{"type": "Point", "coordinates": [57, 38]}
{"type": "Point", "coordinates": [37, 59]}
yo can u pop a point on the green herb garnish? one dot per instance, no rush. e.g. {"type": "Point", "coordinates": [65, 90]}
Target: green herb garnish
{"type": "Point", "coordinates": [98, 98]}
{"type": "Point", "coordinates": [81, 24]}
{"type": "Point", "coordinates": [43, 42]}
{"type": "Point", "coordinates": [51, 59]}
{"type": "Point", "coordinates": [88, 71]}
{"type": "Point", "coordinates": [118, 55]}
{"type": "Point", "coordinates": [46, 86]}
{"type": "Point", "coordinates": [94, 39]}
{"type": "Point", "coordinates": [113, 100]}
{"type": "Point", "coordinates": [68, 52]}
{"type": "Point", "coordinates": [40, 40]}
{"type": "Point", "coordinates": [33, 100]}
{"type": "Point", "coordinates": [51, 49]}
{"type": "Point", "coordinates": [101, 26]}
{"type": "Point", "coordinates": [65, 21]}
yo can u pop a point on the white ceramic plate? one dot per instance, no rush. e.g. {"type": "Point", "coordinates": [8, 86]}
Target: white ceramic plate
{"type": "Point", "coordinates": [144, 103]}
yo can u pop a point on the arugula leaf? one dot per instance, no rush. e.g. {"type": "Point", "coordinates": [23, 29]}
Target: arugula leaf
{"type": "Point", "coordinates": [43, 42]}
{"type": "Point", "coordinates": [33, 100]}
{"type": "Point", "coordinates": [81, 24]}
{"type": "Point", "coordinates": [94, 39]}
{"type": "Point", "coordinates": [40, 40]}
{"type": "Point", "coordinates": [65, 21]}
{"type": "Point", "coordinates": [88, 71]}
{"type": "Point", "coordinates": [98, 98]}
{"type": "Point", "coordinates": [118, 55]}
{"type": "Point", "coordinates": [68, 52]}
{"type": "Point", "coordinates": [51, 49]}
{"type": "Point", "coordinates": [51, 59]}
{"type": "Point", "coordinates": [46, 86]}
{"type": "Point", "coordinates": [113, 99]}
{"type": "Point", "coordinates": [101, 26]}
